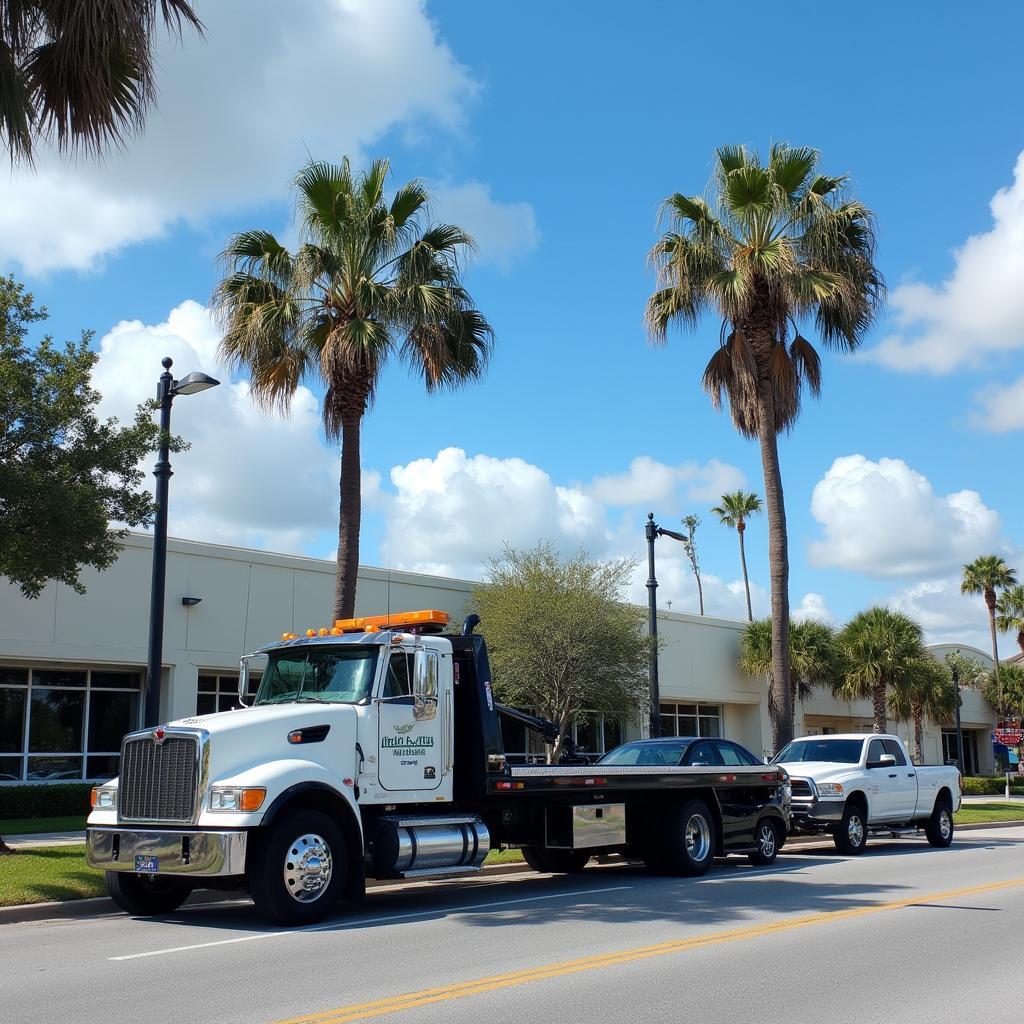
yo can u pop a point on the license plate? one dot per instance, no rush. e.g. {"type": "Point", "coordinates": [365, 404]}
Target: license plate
{"type": "Point", "coordinates": [147, 865]}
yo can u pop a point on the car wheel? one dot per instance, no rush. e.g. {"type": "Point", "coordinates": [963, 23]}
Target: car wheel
{"type": "Point", "coordinates": [298, 868]}
{"type": "Point", "coordinates": [767, 837]}
{"type": "Point", "coordinates": [851, 834]}
{"type": "Point", "coordinates": [555, 862]}
{"type": "Point", "coordinates": [146, 895]}
{"type": "Point", "coordinates": [685, 842]}
{"type": "Point", "coordinates": [939, 830]}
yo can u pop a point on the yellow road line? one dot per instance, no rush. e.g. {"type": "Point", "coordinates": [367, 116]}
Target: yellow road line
{"type": "Point", "coordinates": [393, 1004]}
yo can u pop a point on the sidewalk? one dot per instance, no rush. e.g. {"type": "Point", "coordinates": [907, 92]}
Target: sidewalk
{"type": "Point", "coordinates": [45, 839]}
{"type": "Point", "coordinates": [993, 799]}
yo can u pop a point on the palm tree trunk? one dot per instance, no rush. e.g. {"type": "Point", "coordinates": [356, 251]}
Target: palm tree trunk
{"type": "Point", "coordinates": [878, 699]}
{"type": "Point", "coordinates": [778, 557]}
{"type": "Point", "coordinates": [918, 713]}
{"type": "Point", "coordinates": [990, 600]}
{"type": "Point", "coordinates": [740, 529]}
{"type": "Point", "coordinates": [349, 519]}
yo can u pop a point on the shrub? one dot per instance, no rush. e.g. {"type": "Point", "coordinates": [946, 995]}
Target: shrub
{"type": "Point", "coordinates": [44, 801]}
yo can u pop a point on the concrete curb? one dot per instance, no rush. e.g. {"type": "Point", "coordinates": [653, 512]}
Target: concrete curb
{"type": "Point", "coordinates": [104, 906]}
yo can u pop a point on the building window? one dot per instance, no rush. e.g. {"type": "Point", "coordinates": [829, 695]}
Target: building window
{"type": "Point", "coordinates": [65, 724]}
{"type": "Point", "coordinates": [219, 692]}
{"type": "Point", "coordinates": [691, 719]}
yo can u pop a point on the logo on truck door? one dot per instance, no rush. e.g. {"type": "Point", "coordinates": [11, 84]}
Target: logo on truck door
{"type": "Point", "coordinates": [404, 745]}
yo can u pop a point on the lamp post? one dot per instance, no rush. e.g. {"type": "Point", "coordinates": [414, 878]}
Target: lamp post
{"type": "Point", "coordinates": [653, 531]}
{"type": "Point", "coordinates": [959, 731]}
{"type": "Point", "coordinates": [167, 390]}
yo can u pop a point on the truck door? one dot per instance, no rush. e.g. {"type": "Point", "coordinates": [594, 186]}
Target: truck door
{"type": "Point", "coordinates": [905, 790]}
{"type": "Point", "coordinates": [883, 785]}
{"type": "Point", "coordinates": [411, 720]}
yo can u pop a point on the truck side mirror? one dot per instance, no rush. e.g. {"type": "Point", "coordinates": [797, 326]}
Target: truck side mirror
{"type": "Point", "coordinates": [885, 761]}
{"type": "Point", "coordinates": [424, 687]}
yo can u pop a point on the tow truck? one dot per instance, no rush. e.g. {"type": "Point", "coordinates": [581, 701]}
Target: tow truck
{"type": "Point", "coordinates": [373, 749]}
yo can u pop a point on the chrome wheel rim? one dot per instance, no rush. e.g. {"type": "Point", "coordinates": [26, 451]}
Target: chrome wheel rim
{"type": "Point", "coordinates": [698, 838]}
{"type": "Point", "coordinates": [855, 830]}
{"type": "Point", "coordinates": [945, 824]}
{"type": "Point", "coordinates": [307, 868]}
{"type": "Point", "coordinates": [766, 841]}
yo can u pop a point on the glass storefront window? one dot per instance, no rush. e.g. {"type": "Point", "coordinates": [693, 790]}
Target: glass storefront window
{"type": "Point", "coordinates": [112, 713]}
{"type": "Point", "coordinates": [220, 692]}
{"type": "Point", "coordinates": [56, 720]}
{"type": "Point", "coordinates": [690, 719]}
{"type": "Point", "coordinates": [12, 720]}
{"type": "Point", "coordinates": [54, 769]}
{"type": "Point", "coordinates": [58, 677]}
{"type": "Point", "coordinates": [10, 769]}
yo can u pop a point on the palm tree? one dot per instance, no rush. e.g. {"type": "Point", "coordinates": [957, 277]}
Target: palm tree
{"type": "Point", "coordinates": [776, 246]}
{"type": "Point", "coordinates": [81, 72]}
{"type": "Point", "coordinates": [926, 691]}
{"type": "Point", "coordinates": [369, 281]}
{"type": "Point", "coordinates": [882, 649]}
{"type": "Point", "coordinates": [735, 510]}
{"type": "Point", "coordinates": [986, 575]}
{"type": "Point", "coordinates": [816, 658]}
{"type": "Point", "coordinates": [1010, 613]}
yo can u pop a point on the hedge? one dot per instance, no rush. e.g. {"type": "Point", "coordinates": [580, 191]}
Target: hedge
{"type": "Point", "coordinates": [991, 785]}
{"type": "Point", "coordinates": [44, 801]}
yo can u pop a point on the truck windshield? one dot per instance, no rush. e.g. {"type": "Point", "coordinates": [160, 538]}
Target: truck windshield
{"type": "Point", "coordinates": [838, 751]}
{"type": "Point", "coordinates": [341, 675]}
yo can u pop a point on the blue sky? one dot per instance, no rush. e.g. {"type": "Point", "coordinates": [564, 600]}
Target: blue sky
{"type": "Point", "coordinates": [553, 131]}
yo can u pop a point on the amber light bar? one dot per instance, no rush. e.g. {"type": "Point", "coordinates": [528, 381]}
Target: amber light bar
{"type": "Point", "coordinates": [369, 623]}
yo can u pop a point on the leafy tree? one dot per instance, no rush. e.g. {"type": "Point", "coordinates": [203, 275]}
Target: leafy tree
{"type": "Point", "coordinates": [1009, 688]}
{"type": "Point", "coordinates": [926, 691]}
{"type": "Point", "coordinates": [735, 510]}
{"type": "Point", "coordinates": [691, 523]}
{"type": "Point", "coordinates": [882, 649]}
{"type": "Point", "coordinates": [986, 575]}
{"type": "Point", "coordinates": [1010, 613]}
{"type": "Point", "coordinates": [64, 473]}
{"type": "Point", "coordinates": [80, 71]}
{"type": "Point", "coordinates": [970, 671]}
{"type": "Point", "coordinates": [369, 281]}
{"type": "Point", "coordinates": [777, 245]}
{"type": "Point", "coordinates": [562, 639]}
{"type": "Point", "coordinates": [816, 658]}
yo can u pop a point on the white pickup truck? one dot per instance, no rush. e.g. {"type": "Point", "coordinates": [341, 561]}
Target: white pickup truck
{"type": "Point", "coordinates": [850, 785]}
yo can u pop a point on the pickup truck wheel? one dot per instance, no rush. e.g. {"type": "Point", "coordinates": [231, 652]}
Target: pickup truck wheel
{"type": "Point", "coordinates": [685, 842]}
{"type": "Point", "coordinates": [555, 862]}
{"type": "Point", "coordinates": [939, 830]}
{"type": "Point", "coordinates": [767, 836]}
{"type": "Point", "coordinates": [146, 895]}
{"type": "Point", "coordinates": [851, 834]}
{"type": "Point", "coordinates": [298, 868]}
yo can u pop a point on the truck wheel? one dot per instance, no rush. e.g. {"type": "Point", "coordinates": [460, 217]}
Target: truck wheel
{"type": "Point", "coordinates": [555, 862]}
{"type": "Point", "coordinates": [685, 843]}
{"type": "Point", "coordinates": [297, 870]}
{"type": "Point", "coordinates": [851, 834]}
{"type": "Point", "coordinates": [146, 895]}
{"type": "Point", "coordinates": [766, 835]}
{"type": "Point", "coordinates": [939, 830]}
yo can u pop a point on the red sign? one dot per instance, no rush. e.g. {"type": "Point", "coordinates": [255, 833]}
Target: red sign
{"type": "Point", "coordinates": [1009, 735]}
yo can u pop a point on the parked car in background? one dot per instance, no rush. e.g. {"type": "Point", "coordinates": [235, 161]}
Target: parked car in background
{"type": "Point", "coordinates": [752, 820]}
{"type": "Point", "coordinates": [853, 784]}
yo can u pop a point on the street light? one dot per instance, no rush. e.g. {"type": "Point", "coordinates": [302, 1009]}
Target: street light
{"type": "Point", "coordinates": [653, 531]}
{"type": "Point", "coordinates": [167, 390]}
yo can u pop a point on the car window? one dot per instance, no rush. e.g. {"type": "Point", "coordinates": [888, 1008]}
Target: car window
{"type": "Point", "coordinates": [892, 747]}
{"type": "Point", "coordinates": [731, 754]}
{"type": "Point", "coordinates": [702, 754]}
{"type": "Point", "coordinates": [875, 751]}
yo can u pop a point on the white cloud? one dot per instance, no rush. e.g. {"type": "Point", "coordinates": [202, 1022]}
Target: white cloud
{"type": "Point", "coordinates": [648, 481]}
{"type": "Point", "coordinates": [238, 113]}
{"type": "Point", "coordinates": [1002, 408]}
{"type": "Point", "coordinates": [884, 519]}
{"type": "Point", "coordinates": [813, 606]}
{"type": "Point", "coordinates": [504, 232]}
{"type": "Point", "coordinates": [452, 512]}
{"type": "Point", "coordinates": [946, 615]}
{"type": "Point", "coordinates": [250, 478]}
{"type": "Point", "coordinates": [978, 311]}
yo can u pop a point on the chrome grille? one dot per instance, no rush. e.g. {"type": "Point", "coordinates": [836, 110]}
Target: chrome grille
{"type": "Point", "coordinates": [800, 787]}
{"type": "Point", "coordinates": [159, 780]}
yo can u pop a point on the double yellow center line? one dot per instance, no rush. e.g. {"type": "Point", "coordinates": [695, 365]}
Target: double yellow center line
{"type": "Point", "coordinates": [460, 990]}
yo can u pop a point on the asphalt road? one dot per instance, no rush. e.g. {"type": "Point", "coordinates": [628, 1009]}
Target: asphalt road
{"type": "Point", "coordinates": [905, 933]}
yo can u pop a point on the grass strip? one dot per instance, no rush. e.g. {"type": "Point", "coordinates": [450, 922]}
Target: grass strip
{"type": "Point", "coordinates": [48, 873]}
{"type": "Point", "coordinates": [980, 814]}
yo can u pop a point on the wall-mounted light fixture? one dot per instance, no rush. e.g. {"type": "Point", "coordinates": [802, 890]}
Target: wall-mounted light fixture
{"type": "Point", "coordinates": [189, 602]}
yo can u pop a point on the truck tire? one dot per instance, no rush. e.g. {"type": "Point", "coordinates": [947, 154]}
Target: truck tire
{"type": "Point", "coordinates": [555, 862]}
{"type": "Point", "coordinates": [298, 868]}
{"type": "Point", "coordinates": [851, 834]}
{"type": "Point", "coordinates": [768, 837]}
{"type": "Point", "coordinates": [939, 829]}
{"type": "Point", "coordinates": [685, 842]}
{"type": "Point", "coordinates": [146, 895]}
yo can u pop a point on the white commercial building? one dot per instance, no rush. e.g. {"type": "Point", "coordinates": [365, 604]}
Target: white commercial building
{"type": "Point", "coordinates": [72, 666]}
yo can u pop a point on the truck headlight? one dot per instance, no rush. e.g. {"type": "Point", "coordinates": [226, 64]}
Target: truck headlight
{"type": "Point", "coordinates": [102, 797]}
{"type": "Point", "coordinates": [830, 790]}
{"type": "Point", "coordinates": [234, 798]}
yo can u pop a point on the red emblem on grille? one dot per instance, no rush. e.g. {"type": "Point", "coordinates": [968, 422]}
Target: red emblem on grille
{"type": "Point", "coordinates": [159, 735]}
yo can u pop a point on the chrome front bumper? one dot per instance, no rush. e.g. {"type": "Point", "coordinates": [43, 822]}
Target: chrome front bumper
{"type": "Point", "coordinates": [202, 854]}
